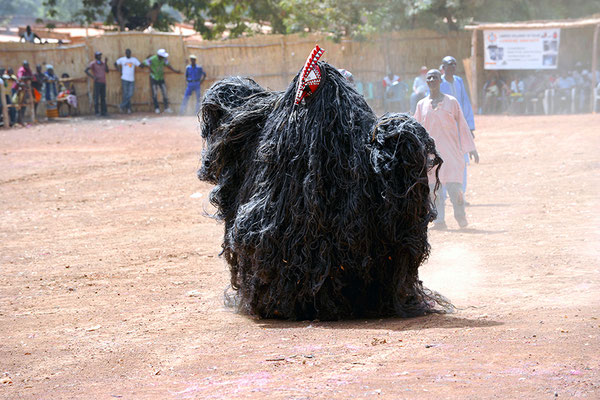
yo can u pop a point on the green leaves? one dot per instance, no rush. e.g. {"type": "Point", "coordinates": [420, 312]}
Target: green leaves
{"type": "Point", "coordinates": [341, 18]}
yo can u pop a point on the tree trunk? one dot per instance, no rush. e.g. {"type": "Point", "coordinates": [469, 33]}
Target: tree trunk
{"type": "Point", "coordinates": [117, 11]}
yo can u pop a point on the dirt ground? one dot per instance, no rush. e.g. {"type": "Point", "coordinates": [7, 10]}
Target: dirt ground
{"type": "Point", "coordinates": [111, 285]}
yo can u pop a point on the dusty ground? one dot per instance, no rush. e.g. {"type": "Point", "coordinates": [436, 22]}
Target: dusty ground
{"type": "Point", "coordinates": [111, 287]}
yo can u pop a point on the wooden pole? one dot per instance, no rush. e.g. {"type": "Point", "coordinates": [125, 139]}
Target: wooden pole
{"type": "Point", "coordinates": [386, 65]}
{"type": "Point", "coordinates": [284, 62]}
{"type": "Point", "coordinates": [594, 67]}
{"type": "Point", "coordinates": [87, 78]}
{"type": "Point", "coordinates": [31, 102]}
{"type": "Point", "coordinates": [474, 80]}
{"type": "Point", "coordinates": [6, 119]}
{"type": "Point", "coordinates": [185, 52]}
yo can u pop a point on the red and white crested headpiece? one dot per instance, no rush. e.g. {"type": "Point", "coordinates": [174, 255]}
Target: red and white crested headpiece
{"type": "Point", "coordinates": [310, 77]}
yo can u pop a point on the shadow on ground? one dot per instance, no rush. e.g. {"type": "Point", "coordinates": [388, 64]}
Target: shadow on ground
{"type": "Point", "coordinates": [433, 321]}
{"type": "Point", "coordinates": [490, 205]}
{"type": "Point", "coordinates": [475, 231]}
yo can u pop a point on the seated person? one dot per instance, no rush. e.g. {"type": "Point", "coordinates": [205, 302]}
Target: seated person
{"type": "Point", "coordinates": [67, 94]}
{"type": "Point", "coordinates": [582, 91]}
{"type": "Point", "coordinates": [564, 88]}
{"type": "Point", "coordinates": [517, 95]}
{"type": "Point", "coordinates": [494, 95]}
{"type": "Point", "coordinates": [536, 85]}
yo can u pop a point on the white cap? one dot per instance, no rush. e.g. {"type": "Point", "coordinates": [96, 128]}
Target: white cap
{"type": "Point", "coordinates": [162, 53]}
{"type": "Point", "coordinates": [49, 66]}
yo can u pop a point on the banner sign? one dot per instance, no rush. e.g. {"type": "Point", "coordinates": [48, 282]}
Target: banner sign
{"type": "Point", "coordinates": [521, 48]}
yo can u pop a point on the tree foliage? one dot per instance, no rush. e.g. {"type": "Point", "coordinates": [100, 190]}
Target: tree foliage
{"type": "Point", "coordinates": [355, 18]}
{"type": "Point", "coordinates": [341, 18]}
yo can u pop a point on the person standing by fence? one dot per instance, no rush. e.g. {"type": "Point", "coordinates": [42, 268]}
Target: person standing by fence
{"type": "Point", "coordinates": [419, 89]}
{"type": "Point", "coordinates": [51, 92]}
{"type": "Point", "coordinates": [157, 64]}
{"type": "Point", "coordinates": [99, 70]}
{"type": "Point", "coordinates": [29, 36]}
{"type": "Point", "coordinates": [194, 75]}
{"type": "Point", "coordinates": [21, 90]}
{"type": "Point", "coordinates": [127, 65]}
{"type": "Point", "coordinates": [37, 85]}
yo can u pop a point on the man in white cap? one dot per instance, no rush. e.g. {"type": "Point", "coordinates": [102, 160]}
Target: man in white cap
{"type": "Point", "coordinates": [194, 75]}
{"type": "Point", "coordinates": [157, 64]}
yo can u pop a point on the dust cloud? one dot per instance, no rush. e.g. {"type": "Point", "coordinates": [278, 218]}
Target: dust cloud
{"type": "Point", "coordinates": [453, 270]}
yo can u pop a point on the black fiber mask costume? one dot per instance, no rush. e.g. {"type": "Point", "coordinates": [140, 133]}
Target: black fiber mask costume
{"type": "Point", "coordinates": [325, 206]}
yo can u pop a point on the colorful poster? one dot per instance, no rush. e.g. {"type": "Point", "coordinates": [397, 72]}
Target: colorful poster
{"type": "Point", "coordinates": [521, 48]}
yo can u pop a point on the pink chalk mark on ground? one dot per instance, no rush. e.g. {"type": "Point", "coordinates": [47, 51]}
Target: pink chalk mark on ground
{"type": "Point", "coordinates": [255, 382]}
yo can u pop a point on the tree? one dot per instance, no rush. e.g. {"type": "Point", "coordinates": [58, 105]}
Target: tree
{"type": "Point", "coordinates": [139, 15]}
{"type": "Point", "coordinates": [89, 11]}
{"type": "Point", "coordinates": [213, 17]}
{"type": "Point", "coordinates": [341, 18]}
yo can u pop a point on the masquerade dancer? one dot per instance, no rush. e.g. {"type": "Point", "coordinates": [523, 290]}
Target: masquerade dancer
{"type": "Point", "coordinates": [325, 206]}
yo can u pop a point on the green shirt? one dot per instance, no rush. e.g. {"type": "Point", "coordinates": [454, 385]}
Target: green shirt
{"type": "Point", "coordinates": [157, 67]}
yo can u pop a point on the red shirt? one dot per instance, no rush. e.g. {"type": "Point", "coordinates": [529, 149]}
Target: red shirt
{"type": "Point", "coordinates": [98, 70]}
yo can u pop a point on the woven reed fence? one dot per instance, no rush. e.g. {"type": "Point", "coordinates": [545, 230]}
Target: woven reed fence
{"type": "Point", "coordinates": [74, 60]}
{"type": "Point", "coordinates": [142, 46]}
{"type": "Point", "coordinates": [65, 59]}
{"type": "Point", "coordinates": [272, 60]}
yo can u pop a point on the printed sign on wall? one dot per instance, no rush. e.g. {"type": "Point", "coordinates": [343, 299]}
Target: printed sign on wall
{"type": "Point", "coordinates": [521, 49]}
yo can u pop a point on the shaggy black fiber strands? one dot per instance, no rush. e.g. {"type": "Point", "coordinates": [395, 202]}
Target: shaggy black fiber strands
{"type": "Point", "coordinates": [325, 207]}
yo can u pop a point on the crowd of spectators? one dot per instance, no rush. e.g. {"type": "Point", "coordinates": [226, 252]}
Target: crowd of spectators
{"type": "Point", "coordinates": [511, 92]}
{"type": "Point", "coordinates": [538, 92]}
{"type": "Point", "coordinates": [514, 92]}
{"type": "Point", "coordinates": [42, 86]}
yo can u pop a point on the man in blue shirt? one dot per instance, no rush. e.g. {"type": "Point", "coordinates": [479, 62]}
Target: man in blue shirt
{"type": "Point", "coordinates": [454, 86]}
{"type": "Point", "coordinates": [194, 75]}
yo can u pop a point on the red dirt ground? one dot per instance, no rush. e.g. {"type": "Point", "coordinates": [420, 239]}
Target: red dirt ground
{"type": "Point", "coordinates": [111, 285]}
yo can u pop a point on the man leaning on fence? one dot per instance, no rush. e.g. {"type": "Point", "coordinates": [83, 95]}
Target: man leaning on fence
{"type": "Point", "coordinates": [194, 76]}
{"type": "Point", "coordinates": [29, 36]}
{"type": "Point", "coordinates": [127, 65]}
{"type": "Point", "coordinates": [99, 70]}
{"type": "Point", "coordinates": [157, 64]}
